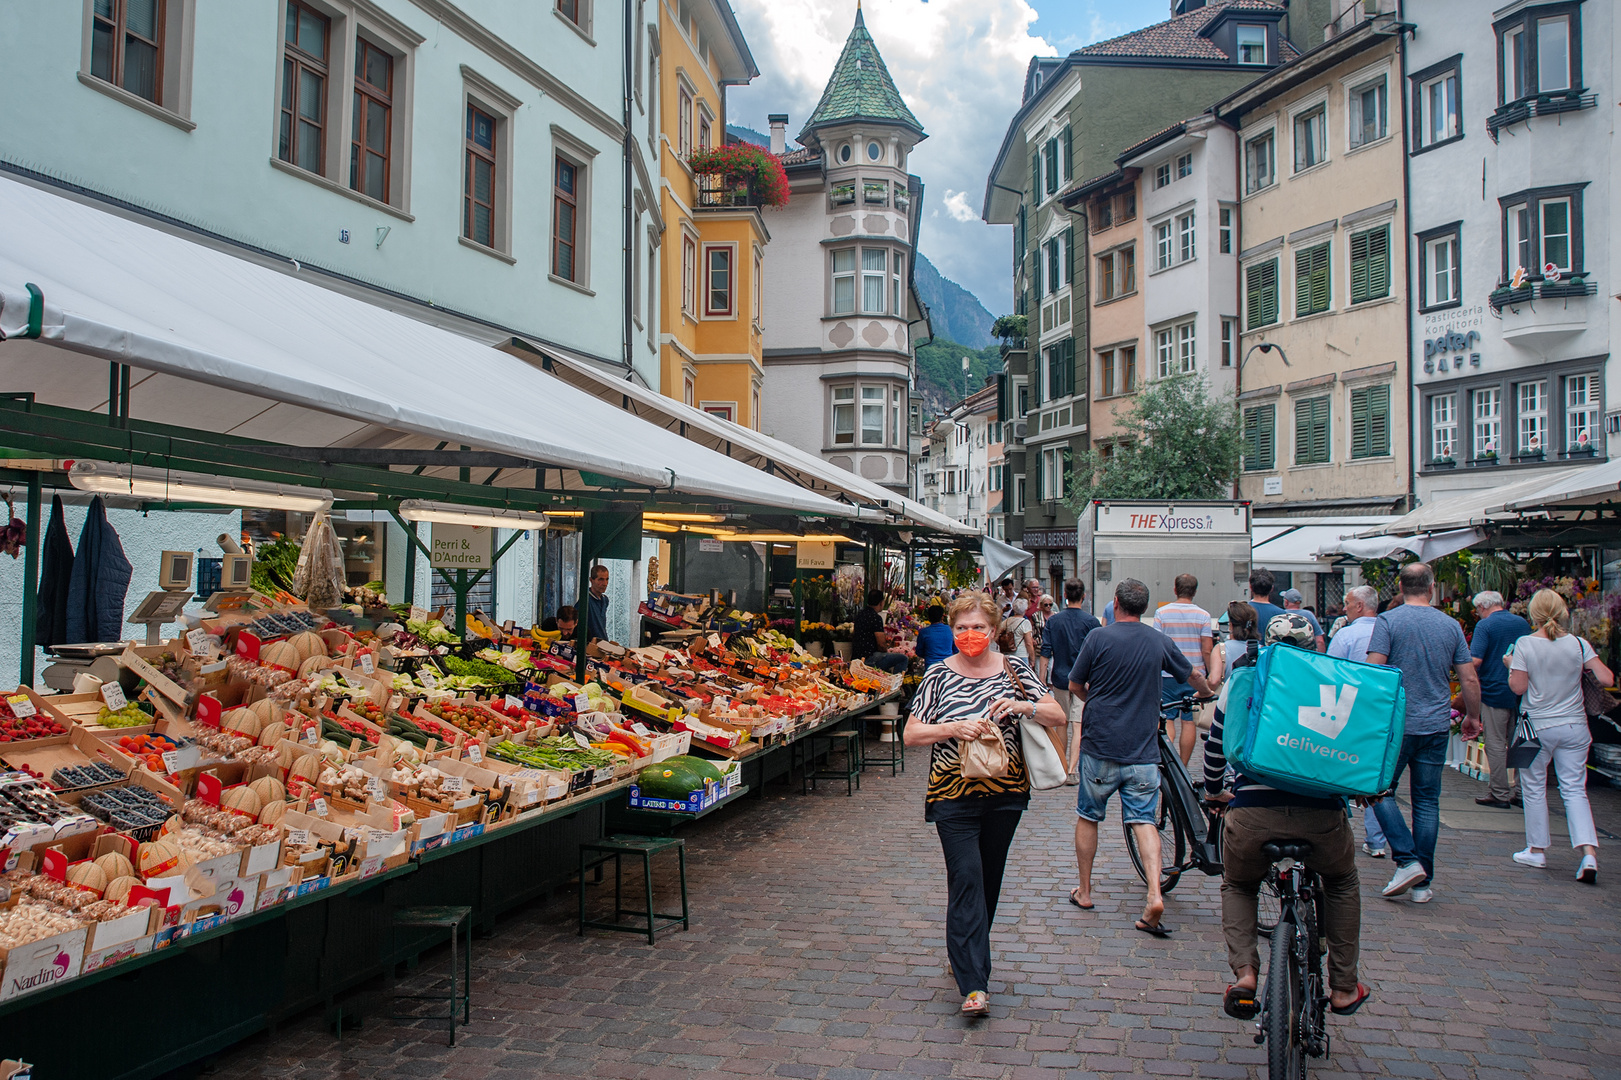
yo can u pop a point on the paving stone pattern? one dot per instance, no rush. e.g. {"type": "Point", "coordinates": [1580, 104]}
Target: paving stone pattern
{"type": "Point", "coordinates": [817, 952]}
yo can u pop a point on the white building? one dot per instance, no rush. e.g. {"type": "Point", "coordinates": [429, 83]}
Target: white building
{"type": "Point", "coordinates": [1190, 262]}
{"type": "Point", "coordinates": [1512, 181]}
{"type": "Point", "coordinates": [838, 298]}
{"type": "Point", "coordinates": [961, 473]}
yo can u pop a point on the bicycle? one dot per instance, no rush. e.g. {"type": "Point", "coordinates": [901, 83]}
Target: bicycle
{"type": "Point", "coordinates": [1190, 827]}
{"type": "Point", "coordinates": [1294, 999]}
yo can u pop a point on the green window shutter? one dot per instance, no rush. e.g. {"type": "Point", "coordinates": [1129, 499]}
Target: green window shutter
{"type": "Point", "coordinates": [1261, 289]}
{"type": "Point", "coordinates": [1035, 177]}
{"type": "Point", "coordinates": [1003, 413]}
{"type": "Point", "coordinates": [1076, 379]}
{"type": "Point", "coordinates": [1359, 423]}
{"type": "Point", "coordinates": [1069, 253]}
{"type": "Point", "coordinates": [1067, 458]}
{"type": "Point", "coordinates": [1035, 491]}
{"type": "Point", "coordinates": [1035, 273]}
{"type": "Point", "coordinates": [1370, 422]}
{"type": "Point", "coordinates": [1311, 431]}
{"type": "Point", "coordinates": [1052, 166]}
{"type": "Point", "coordinates": [1055, 277]}
{"type": "Point", "coordinates": [1069, 155]}
{"type": "Point", "coordinates": [1311, 281]}
{"type": "Point", "coordinates": [1370, 264]}
{"type": "Point", "coordinates": [1260, 446]}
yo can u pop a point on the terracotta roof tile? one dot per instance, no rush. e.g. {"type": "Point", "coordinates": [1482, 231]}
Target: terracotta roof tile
{"type": "Point", "coordinates": [1180, 38]}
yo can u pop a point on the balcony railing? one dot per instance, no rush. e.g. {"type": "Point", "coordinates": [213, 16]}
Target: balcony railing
{"type": "Point", "coordinates": [1503, 296]}
{"type": "Point", "coordinates": [1560, 101]}
{"type": "Point", "coordinates": [720, 193]}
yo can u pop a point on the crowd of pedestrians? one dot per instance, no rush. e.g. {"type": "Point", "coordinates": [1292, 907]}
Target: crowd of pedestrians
{"type": "Point", "coordinates": [998, 655]}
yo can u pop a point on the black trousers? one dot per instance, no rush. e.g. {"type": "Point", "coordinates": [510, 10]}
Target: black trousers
{"type": "Point", "coordinates": [976, 845]}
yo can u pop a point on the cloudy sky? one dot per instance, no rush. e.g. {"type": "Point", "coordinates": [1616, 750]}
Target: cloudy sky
{"type": "Point", "coordinates": [960, 65]}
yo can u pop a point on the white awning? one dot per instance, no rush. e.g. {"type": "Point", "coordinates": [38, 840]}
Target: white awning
{"type": "Point", "coordinates": [1297, 544]}
{"type": "Point", "coordinates": [1587, 486]}
{"type": "Point", "coordinates": [1473, 508]}
{"type": "Point", "coordinates": [1001, 557]}
{"type": "Point", "coordinates": [748, 445]}
{"type": "Point", "coordinates": [225, 344]}
{"type": "Point", "coordinates": [1426, 546]}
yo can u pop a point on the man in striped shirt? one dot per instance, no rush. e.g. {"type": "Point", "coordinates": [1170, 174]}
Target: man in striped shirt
{"type": "Point", "coordinates": [1187, 624]}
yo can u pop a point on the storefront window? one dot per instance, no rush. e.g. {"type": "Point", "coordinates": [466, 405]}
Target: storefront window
{"type": "Point", "coordinates": [1533, 416]}
{"type": "Point", "coordinates": [1488, 421]}
{"type": "Point", "coordinates": [1581, 411]}
{"type": "Point", "coordinates": [1443, 426]}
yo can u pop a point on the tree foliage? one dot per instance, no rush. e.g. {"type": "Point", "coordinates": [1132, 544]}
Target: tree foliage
{"type": "Point", "coordinates": [939, 364]}
{"type": "Point", "coordinates": [1185, 444]}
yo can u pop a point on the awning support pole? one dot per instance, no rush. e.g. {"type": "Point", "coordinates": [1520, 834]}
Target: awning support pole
{"type": "Point", "coordinates": [25, 666]}
{"type": "Point", "coordinates": [412, 543]}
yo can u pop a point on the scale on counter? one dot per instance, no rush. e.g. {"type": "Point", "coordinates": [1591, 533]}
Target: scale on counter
{"type": "Point", "coordinates": [174, 592]}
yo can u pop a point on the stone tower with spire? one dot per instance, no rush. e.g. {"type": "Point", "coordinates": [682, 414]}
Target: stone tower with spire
{"type": "Point", "coordinates": [840, 316]}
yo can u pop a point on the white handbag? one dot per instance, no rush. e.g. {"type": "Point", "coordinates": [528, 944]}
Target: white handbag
{"type": "Point", "coordinates": [1042, 745]}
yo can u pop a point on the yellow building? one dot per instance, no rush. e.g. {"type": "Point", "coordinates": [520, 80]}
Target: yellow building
{"type": "Point", "coordinates": [715, 237]}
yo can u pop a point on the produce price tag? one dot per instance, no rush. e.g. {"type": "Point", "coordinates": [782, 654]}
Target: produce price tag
{"type": "Point", "coordinates": [367, 664]}
{"type": "Point", "coordinates": [319, 806]}
{"type": "Point", "coordinates": [640, 729]}
{"type": "Point", "coordinates": [377, 836]}
{"type": "Point", "coordinates": [603, 775]}
{"type": "Point", "coordinates": [377, 787]}
{"type": "Point", "coordinates": [197, 641]}
{"type": "Point", "coordinates": [298, 837]}
{"type": "Point", "coordinates": [312, 735]}
{"type": "Point", "coordinates": [585, 743]}
{"type": "Point", "coordinates": [529, 774]}
{"type": "Point", "coordinates": [475, 753]}
{"type": "Point", "coordinates": [451, 783]}
{"type": "Point", "coordinates": [171, 761]}
{"type": "Point", "coordinates": [418, 615]}
{"type": "Point", "coordinates": [514, 702]}
{"type": "Point", "coordinates": [714, 641]}
{"type": "Point", "coordinates": [425, 677]}
{"type": "Point", "coordinates": [22, 707]}
{"type": "Point", "coordinates": [113, 695]}
{"type": "Point", "coordinates": [582, 703]}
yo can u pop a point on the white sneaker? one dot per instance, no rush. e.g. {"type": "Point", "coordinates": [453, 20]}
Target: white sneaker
{"type": "Point", "coordinates": [1423, 896]}
{"type": "Point", "coordinates": [1405, 878]}
{"type": "Point", "coordinates": [1587, 873]}
{"type": "Point", "coordinates": [1536, 859]}
{"type": "Point", "coordinates": [1376, 852]}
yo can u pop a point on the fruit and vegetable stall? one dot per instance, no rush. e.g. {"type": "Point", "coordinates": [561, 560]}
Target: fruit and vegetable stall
{"type": "Point", "coordinates": [233, 833]}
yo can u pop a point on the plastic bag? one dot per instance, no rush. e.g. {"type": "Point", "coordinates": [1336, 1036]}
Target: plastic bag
{"type": "Point", "coordinates": [319, 576]}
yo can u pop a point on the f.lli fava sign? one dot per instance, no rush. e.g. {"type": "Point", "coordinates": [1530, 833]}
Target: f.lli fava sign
{"type": "Point", "coordinates": [462, 547]}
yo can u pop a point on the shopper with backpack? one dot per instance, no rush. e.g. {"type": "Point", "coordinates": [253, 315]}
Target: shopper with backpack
{"type": "Point", "coordinates": [1258, 812]}
{"type": "Point", "coordinates": [1546, 667]}
{"type": "Point", "coordinates": [1426, 646]}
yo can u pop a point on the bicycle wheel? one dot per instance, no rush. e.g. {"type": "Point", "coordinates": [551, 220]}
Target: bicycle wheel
{"type": "Point", "coordinates": [1270, 907]}
{"type": "Point", "coordinates": [1173, 842]}
{"type": "Point", "coordinates": [1285, 1051]}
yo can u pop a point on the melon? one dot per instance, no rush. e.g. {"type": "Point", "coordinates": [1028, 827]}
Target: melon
{"type": "Point", "coordinates": [160, 856]}
{"type": "Point", "coordinates": [308, 645]}
{"type": "Point", "coordinates": [118, 888]}
{"type": "Point", "coordinates": [674, 778]}
{"type": "Point", "coordinates": [243, 800]}
{"type": "Point", "coordinates": [311, 665]}
{"type": "Point", "coordinates": [269, 789]}
{"type": "Point", "coordinates": [242, 721]}
{"type": "Point", "coordinates": [272, 813]}
{"type": "Point", "coordinates": [266, 710]}
{"type": "Point", "coordinates": [115, 866]}
{"type": "Point", "coordinates": [173, 825]}
{"type": "Point", "coordinates": [87, 875]}
{"type": "Point", "coordinates": [272, 733]}
{"type": "Point", "coordinates": [307, 767]}
{"type": "Point", "coordinates": [280, 654]}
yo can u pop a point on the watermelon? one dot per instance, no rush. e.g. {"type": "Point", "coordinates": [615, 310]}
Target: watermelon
{"type": "Point", "coordinates": [703, 766]}
{"type": "Point", "coordinates": [672, 779]}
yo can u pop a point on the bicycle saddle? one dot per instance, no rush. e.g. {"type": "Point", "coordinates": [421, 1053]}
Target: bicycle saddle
{"type": "Point", "coordinates": [1287, 849]}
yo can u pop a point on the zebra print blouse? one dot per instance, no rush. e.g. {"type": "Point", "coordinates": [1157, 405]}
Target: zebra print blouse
{"type": "Point", "coordinates": [943, 696]}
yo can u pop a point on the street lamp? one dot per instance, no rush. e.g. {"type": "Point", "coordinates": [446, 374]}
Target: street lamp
{"type": "Point", "coordinates": [965, 378]}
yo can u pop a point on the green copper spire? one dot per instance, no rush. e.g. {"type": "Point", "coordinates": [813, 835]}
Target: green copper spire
{"type": "Point", "coordinates": [860, 88]}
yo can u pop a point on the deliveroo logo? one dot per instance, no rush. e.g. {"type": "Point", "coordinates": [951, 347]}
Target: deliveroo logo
{"type": "Point", "coordinates": [1329, 717]}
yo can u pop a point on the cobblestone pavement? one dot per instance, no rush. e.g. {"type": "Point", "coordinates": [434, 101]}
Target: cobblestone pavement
{"type": "Point", "coordinates": [817, 952]}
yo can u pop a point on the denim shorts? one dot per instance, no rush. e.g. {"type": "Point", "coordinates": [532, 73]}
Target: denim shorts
{"type": "Point", "coordinates": [1138, 786]}
{"type": "Point", "coordinates": [1170, 690]}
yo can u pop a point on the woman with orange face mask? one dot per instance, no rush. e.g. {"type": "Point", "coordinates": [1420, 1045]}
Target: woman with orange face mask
{"type": "Point", "coordinates": [975, 693]}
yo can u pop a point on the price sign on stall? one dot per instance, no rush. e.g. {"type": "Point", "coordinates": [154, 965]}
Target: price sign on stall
{"type": "Point", "coordinates": [452, 783]}
{"type": "Point", "coordinates": [22, 706]}
{"type": "Point", "coordinates": [319, 806]}
{"type": "Point", "coordinates": [298, 837]}
{"type": "Point", "coordinates": [113, 695]}
{"type": "Point", "coordinates": [585, 743]}
{"type": "Point", "coordinates": [514, 702]}
{"type": "Point", "coordinates": [367, 664]}
{"type": "Point", "coordinates": [475, 753]}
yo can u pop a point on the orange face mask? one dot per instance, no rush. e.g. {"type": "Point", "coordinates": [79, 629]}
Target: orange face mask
{"type": "Point", "coordinates": [972, 642]}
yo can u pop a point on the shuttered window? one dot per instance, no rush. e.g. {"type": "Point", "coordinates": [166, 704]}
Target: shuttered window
{"type": "Point", "coordinates": [1261, 294]}
{"type": "Point", "coordinates": [1069, 155]}
{"type": "Point", "coordinates": [1311, 280]}
{"type": "Point", "coordinates": [1311, 431]}
{"type": "Point", "coordinates": [1052, 166]}
{"type": "Point", "coordinates": [1370, 422]}
{"type": "Point", "coordinates": [1061, 369]}
{"type": "Point", "coordinates": [1370, 264]}
{"type": "Point", "coordinates": [1260, 437]}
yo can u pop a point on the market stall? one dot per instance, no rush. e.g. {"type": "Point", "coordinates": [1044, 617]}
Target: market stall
{"type": "Point", "coordinates": [241, 806]}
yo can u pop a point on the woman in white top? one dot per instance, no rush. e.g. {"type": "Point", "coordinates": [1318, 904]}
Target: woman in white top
{"type": "Point", "coordinates": [1546, 670]}
{"type": "Point", "coordinates": [1017, 628]}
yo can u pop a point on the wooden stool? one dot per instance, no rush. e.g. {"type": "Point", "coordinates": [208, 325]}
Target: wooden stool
{"type": "Point", "coordinates": [617, 846]}
{"type": "Point", "coordinates": [455, 920]}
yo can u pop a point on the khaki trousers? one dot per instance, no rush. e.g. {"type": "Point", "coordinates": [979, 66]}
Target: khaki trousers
{"type": "Point", "coordinates": [1499, 728]}
{"type": "Point", "coordinates": [1333, 859]}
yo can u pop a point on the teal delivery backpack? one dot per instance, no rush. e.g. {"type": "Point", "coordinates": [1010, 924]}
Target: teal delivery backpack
{"type": "Point", "coordinates": [1316, 725]}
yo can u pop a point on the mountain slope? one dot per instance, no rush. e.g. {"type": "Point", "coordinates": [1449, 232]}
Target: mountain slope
{"type": "Point", "coordinates": [939, 372]}
{"type": "Point", "coordinates": [954, 312]}
{"type": "Point", "coordinates": [748, 134]}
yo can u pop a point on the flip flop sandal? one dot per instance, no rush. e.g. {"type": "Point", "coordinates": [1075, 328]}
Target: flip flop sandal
{"type": "Point", "coordinates": [1240, 1004]}
{"type": "Point", "coordinates": [1077, 903]}
{"type": "Point", "coordinates": [1159, 930]}
{"type": "Point", "coordinates": [1362, 995]}
{"type": "Point", "coordinates": [977, 1004]}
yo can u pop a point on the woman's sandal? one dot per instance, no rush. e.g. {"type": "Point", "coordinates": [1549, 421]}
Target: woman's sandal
{"type": "Point", "coordinates": [977, 1004]}
{"type": "Point", "coordinates": [1159, 930]}
{"type": "Point", "coordinates": [1077, 903]}
{"type": "Point", "coordinates": [1241, 1003]}
{"type": "Point", "coordinates": [1362, 995]}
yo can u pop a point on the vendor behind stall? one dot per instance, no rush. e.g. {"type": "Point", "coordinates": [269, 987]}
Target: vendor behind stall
{"type": "Point", "coordinates": [564, 621]}
{"type": "Point", "coordinates": [869, 642]}
{"type": "Point", "coordinates": [596, 612]}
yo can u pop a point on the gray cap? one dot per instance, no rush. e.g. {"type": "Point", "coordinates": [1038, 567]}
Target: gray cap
{"type": "Point", "coordinates": [1290, 596]}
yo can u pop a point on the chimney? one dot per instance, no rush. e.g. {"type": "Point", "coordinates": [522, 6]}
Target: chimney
{"type": "Point", "coordinates": [779, 132]}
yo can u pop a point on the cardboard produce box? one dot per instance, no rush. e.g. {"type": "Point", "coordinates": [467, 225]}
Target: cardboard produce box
{"type": "Point", "coordinates": [45, 962]}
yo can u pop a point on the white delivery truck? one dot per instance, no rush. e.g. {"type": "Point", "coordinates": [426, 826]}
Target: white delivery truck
{"type": "Point", "coordinates": [1155, 541]}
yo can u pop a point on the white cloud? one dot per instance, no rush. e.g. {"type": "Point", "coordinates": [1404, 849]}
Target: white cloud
{"type": "Point", "coordinates": [958, 206]}
{"type": "Point", "coordinates": [960, 66]}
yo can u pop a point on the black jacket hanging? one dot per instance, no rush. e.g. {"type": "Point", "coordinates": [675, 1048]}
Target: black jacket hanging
{"type": "Point", "coordinates": [55, 574]}
{"type": "Point", "coordinates": [99, 581]}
